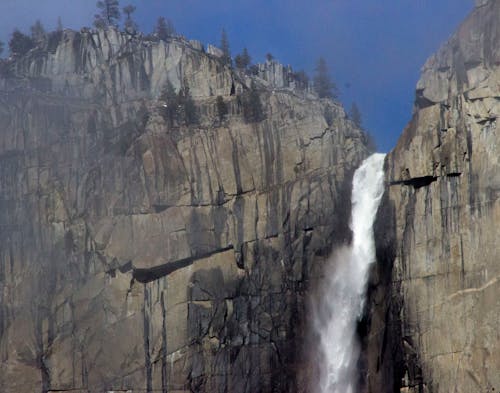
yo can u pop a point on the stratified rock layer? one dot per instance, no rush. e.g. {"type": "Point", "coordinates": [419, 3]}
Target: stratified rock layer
{"type": "Point", "coordinates": [436, 310]}
{"type": "Point", "coordinates": [134, 255]}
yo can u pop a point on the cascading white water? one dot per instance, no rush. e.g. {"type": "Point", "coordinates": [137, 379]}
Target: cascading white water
{"type": "Point", "coordinates": [342, 298]}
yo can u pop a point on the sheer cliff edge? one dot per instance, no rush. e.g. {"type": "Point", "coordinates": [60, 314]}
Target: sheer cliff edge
{"type": "Point", "coordinates": [149, 253]}
{"type": "Point", "coordinates": [435, 293]}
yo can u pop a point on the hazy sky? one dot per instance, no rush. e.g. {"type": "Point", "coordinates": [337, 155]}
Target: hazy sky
{"type": "Point", "coordinates": [374, 48]}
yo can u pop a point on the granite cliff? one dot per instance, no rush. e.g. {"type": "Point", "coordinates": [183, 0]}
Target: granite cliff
{"type": "Point", "coordinates": [434, 296]}
{"type": "Point", "coordinates": [140, 254]}
{"type": "Point", "coordinates": [146, 256]}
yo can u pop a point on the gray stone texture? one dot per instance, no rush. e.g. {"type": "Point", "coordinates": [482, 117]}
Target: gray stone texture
{"type": "Point", "coordinates": [138, 256]}
{"type": "Point", "coordinates": [435, 294]}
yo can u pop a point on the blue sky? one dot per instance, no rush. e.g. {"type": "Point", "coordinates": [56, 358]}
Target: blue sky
{"type": "Point", "coordinates": [374, 48]}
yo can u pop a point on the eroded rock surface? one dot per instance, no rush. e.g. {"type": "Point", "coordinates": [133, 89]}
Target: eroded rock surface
{"type": "Point", "coordinates": [137, 255]}
{"type": "Point", "coordinates": [435, 294]}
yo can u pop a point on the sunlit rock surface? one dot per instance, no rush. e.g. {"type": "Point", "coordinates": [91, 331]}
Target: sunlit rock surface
{"type": "Point", "coordinates": [436, 308]}
{"type": "Point", "coordinates": [139, 256]}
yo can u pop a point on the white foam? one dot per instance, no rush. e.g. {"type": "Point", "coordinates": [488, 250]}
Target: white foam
{"type": "Point", "coordinates": [341, 304]}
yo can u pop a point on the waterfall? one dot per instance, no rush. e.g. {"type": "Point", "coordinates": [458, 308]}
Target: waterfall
{"type": "Point", "coordinates": [342, 298]}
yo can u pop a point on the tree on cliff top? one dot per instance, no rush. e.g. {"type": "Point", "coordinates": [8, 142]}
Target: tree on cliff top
{"type": "Point", "coordinates": [224, 45]}
{"type": "Point", "coordinates": [357, 119]}
{"type": "Point", "coordinates": [243, 60]}
{"type": "Point", "coordinates": [323, 85]}
{"type": "Point", "coordinates": [38, 31]}
{"type": "Point", "coordinates": [370, 142]}
{"type": "Point", "coordinates": [109, 13]}
{"type": "Point", "coordinates": [130, 25]}
{"type": "Point", "coordinates": [302, 79]}
{"type": "Point", "coordinates": [164, 28]}
{"type": "Point", "coordinates": [20, 43]}
{"type": "Point", "coordinates": [355, 115]}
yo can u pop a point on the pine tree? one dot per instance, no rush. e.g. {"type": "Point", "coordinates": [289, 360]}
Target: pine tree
{"type": "Point", "coordinates": [243, 60]}
{"type": "Point", "coordinates": [357, 119]}
{"type": "Point", "coordinates": [253, 69]}
{"type": "Point", "coordinates": [109, 13]}
{"type": "Point", "coordinates": [130, 25]}
{"type": "Point", "coordinates": [38, 31]}
{"type": "Point", "coordinates": [20, 44]}
{"type": "Point", "coordinates": [164, 29]}
{"type": "Point", "coordinates": [323, 85]}
{"type": "Point", "coordinates": [170, 106]}
{"type": "Point", "coordinates": [55, 37]}
{"type": "Point", "coordinates": [129, 10]}
{"type": "Point", "coordinates": [238, 62]}
{"type": "Point", "coordinates": [252, 106]}
{"type": "Point", "coordinates": [2, 45]}
{"type": "Point", "coordinates": [247, 59]}
{"type": "Point", "coordinates": [370, 142]}
{"type": "Point", "coordinates": [187, 106]}
{"type": "Point", "coordinates": [224, 45]}
{"type": "Point", "coordinates": [302, 79]}
{"type": "Point", "coordinates": [355, 116]}
{"type": "Point", "coordinates": [221, 108]}
{"type": "Point", "coordinates": [99, 22]}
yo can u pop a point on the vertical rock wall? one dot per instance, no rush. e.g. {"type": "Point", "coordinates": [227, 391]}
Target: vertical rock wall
{"type": "Point", "coordinates": [138, 256]}
{"type": "Point", "coordinates": [435, 296]}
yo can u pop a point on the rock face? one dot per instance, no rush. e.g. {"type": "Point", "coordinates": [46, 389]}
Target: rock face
{"type": "Point", "coordinates": [435, 292]}
{"type": "Point", "coordinates": [275, 74]}
{"type": "Point", "coordinates": [152, 257]}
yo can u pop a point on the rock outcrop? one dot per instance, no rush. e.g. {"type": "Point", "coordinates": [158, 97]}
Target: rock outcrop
{"type": "Point", "coordinates": [276, 74]}
{"type": "Point", "coordinates": [140, 255]}
{"type": "Point", "coordinates": [435, 292]}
